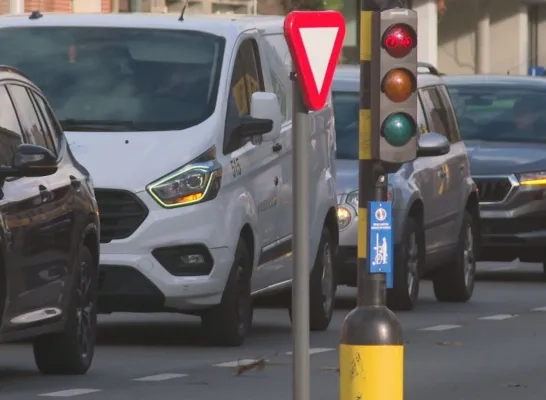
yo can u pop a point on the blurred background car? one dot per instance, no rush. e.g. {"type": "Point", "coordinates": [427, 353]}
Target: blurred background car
{"type": "Point", "coordinates": [503, 124]}
{"type": "Point", "coordinates": [433, 197]}
{"type": "Point", "coordinates": [49, 234]}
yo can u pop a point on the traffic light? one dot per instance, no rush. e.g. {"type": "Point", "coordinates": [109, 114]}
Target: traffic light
{"type": "Point", "coordinates": [398, 76]}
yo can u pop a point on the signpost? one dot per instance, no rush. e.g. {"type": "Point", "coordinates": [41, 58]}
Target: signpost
{"type": "Point", "coordinates": [380, 246]}
{"type": "Point", "coordinates": [315, 39]}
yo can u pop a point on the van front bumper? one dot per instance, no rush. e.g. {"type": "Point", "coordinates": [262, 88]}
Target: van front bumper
{"type": "Point", "coordinates": [176, 260]}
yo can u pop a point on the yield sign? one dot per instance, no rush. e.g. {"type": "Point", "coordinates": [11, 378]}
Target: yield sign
{"type": "Point", "coordinates": [315, 39]}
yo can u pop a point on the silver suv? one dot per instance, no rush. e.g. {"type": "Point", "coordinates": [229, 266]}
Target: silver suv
{"type": "Point", "coordinates": [435, 201]}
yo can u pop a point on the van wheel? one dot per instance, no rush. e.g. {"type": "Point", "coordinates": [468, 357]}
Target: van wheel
{"type": "Point", "coordinates": [71, 351]}
{"type": "Point", "coordinates": [228, 323]}
{"type": "Point", "coordinates": [322, 286]}
{"type": "Point", "coordinates": [408, 262]}
{"type": "Point", "coordinates": [454, 282]}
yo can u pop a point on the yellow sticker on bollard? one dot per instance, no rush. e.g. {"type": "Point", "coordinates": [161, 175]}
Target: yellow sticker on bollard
{"type": "Point", "coordinates": [371, 372]}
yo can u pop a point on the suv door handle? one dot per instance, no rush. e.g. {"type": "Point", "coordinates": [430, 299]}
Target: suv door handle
{"type": "Point", "coordinates": [45, 195]}
{"type": "Point", "coordinates": [76, 184]}
{"type": "Point", "coordinates": [277, 147]}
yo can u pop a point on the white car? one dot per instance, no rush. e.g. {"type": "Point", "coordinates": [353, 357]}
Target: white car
{"type": "Point", "coordinates": [186, 129]}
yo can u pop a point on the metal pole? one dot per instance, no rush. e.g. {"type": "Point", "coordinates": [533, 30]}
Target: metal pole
{"type": "Point", "coordinates": [371, 345]}
{"type": "Point", "coordinates": [300, 245]}
{"type": "Point", "coordinates": [255, 7]}
{"type": "Point", "coordinates": [115, 6]}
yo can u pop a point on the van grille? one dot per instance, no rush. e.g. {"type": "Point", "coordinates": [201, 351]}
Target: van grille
{"type": "Point", "coordinates": [493, 190]}
{"type": "Point", "coordinates": [121, 213]}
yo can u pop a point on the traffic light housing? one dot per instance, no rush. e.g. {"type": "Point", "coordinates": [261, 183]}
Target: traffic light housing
{"type": "Point", "coordinates": [397, 58]}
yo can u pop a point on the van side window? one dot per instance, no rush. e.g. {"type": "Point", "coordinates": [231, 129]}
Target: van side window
{"type": "Point", "coordinates": [450, 115]}
{"type": "Point", "coordinates": [279, 61]}
{"type": "Point", "coordinates": [246, 79]}
{"type": "Point", "coordinates": [422, 124]}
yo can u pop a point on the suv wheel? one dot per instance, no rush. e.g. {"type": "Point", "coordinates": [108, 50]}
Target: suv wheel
{"type": "Point", "coordinates": [454, 282]}
{"type": "Point", "coordinates": [322, 286]}
{"type": "Point", "coordinates": [228, 323]}
{"type": "Point", "coordinates": [408, 263]}
{"type": "Point", "coordinates": [71, 351]}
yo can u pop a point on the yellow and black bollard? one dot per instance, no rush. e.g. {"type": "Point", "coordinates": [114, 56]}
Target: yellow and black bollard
{"type": "Point", "coordinates": [372, 345]}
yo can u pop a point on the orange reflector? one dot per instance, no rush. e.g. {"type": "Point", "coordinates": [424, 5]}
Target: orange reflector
{"type": "Point", "coordinates": [188, 198]}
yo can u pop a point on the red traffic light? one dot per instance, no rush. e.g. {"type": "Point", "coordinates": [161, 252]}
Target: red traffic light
{"type": "Point", "coordinates": [399, 40]}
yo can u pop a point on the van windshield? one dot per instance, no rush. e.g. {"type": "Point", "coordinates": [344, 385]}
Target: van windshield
{"type": "Point", "coordinates": [346, 108]}
{"type": "Point", "coordinates": [119, 79]}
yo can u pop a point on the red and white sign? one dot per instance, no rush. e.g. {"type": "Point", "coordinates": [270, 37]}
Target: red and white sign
{"type": "Point", "coordinates": [315, 39]}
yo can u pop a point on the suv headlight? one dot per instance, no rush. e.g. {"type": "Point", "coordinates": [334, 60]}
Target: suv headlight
{"type": "Point", "coordinates": [196, 182]}
{"type": "Point", "coordinates": [343, 217]}
{"type": "Point", "coordinates": [533, 178]}
{"type": "Point", "coordinates": [352, 198]}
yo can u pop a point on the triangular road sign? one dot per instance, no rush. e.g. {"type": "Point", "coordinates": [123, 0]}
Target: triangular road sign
{"type": "Point", "coordinates": [315, 39]}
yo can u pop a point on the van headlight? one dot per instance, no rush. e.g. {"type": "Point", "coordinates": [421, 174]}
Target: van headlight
{"type": "Point", "coordinates": [533, 178]}
{"type": "Point", "coordinates": [195, 182]}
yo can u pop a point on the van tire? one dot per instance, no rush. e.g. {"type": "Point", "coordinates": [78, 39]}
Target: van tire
{"type": "Point", "coordinates": [454, 281]}
{"type": "Point", "coordinates": [63, 353]}
{"type": "Point", "coordinates": [321, 304]}
{"type": "Point", "coordinates": [408, 261]}
{"type": "Point", "coordinates": [228, 323]}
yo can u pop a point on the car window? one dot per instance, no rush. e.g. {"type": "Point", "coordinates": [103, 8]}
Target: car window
{"type": "Point", "coordinates": [422, 123]}
{"type": "Point", "coordinates": [503, 113]}
{"type": "Point", "coordinates": [10, 130]}
{"type": "Point", "coordinates": [246, 79]}
{"type": "Point", "coordinates": [125, 79]}
{"type": "Point", "coordinates": [450, 115]}
{"type": "Point", "coordinates": [32, 129]}
{"type": "Point", "coordinates": [436, 112]}
{"type": "Point", "coordinates": [346, 110]}
{"type": "Point", "coordinates": [51, 130]}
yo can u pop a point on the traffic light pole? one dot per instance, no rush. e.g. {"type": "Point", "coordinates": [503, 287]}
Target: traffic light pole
{"type": "Point", "coordinates": [371, 346]}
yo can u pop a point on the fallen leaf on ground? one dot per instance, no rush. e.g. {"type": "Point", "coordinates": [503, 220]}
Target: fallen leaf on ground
{"type": "Point", "coordinates": [512, 385]}
{"type": "Point", "coordinates": [449, 343]}
{"type": "Point", "coordinates": [257, 365]}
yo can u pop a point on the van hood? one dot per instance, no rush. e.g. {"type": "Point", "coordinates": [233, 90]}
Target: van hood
{"type": "Point", "coordinates": [132, 160]}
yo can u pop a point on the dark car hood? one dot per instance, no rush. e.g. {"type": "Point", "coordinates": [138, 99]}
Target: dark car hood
{"type": "Point", "coordinates": [491, 158]}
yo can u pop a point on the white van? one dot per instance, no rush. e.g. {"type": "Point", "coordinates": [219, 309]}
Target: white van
{"type": "Point", "coordinates": [185, 127]}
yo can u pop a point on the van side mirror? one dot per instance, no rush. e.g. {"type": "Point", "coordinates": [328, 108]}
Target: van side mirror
{"type": "Point", "coordinates": [32, 161]}
{"type": "Point", "coordinates": [432, 144]}
{"type": "Point", "coordinates": [265, 105]}
{"type": "Point", "coordinates": [250, 126]}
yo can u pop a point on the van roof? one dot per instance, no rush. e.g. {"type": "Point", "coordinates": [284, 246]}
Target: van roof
{"type": "Point", "coordinates": [346, 76]}
{"type": "Point", "coordinates": [223, 25]}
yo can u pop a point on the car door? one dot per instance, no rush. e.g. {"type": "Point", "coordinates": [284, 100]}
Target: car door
{"type": "Point", "coordinates": [51, 237]}
{"type": "Point", "coordinates": [21, 204]}
{"type": "Point", "coordinates": [444, 204]}
{"type": "Point", "coordinates": [254, 164]}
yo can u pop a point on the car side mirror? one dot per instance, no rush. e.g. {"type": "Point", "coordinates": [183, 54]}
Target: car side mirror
{"type": "Point", "coordinates": [265, 105]}
{"type": "Point", "coordinates": [32, 161]}
{"type": "Point", "coordinates": [432, 144]}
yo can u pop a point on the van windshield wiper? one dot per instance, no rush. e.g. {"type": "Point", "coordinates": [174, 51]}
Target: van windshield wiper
{"type": "Point", "coordinates": [89, 125]}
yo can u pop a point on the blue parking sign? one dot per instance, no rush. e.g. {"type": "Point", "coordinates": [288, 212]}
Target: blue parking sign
{"type": "Point", "coordinates": [380, 239]}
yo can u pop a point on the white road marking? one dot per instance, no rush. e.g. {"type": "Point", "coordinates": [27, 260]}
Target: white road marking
{"type": "Point", "coordinates": [69, 392]}
{"type": "Point", "coordinates": [541, 309]}
{"type": "Point", "coordinates": [160, 377]}
{"type": "Point", "coordinates": [237, 363]}
{"type": "Point", "coordinates": [441, 327]}
{"type": "Point", "coordinates": [314, 350]}
{"type": "Point", "coordinates": [498, 317]}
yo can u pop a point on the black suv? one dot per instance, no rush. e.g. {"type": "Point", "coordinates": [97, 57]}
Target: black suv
{"type": "Point", "coordinates": [49, 233]}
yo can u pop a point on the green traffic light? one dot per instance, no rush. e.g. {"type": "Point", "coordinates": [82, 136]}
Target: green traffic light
{"type": "Point", "coordinates": [398, 129]}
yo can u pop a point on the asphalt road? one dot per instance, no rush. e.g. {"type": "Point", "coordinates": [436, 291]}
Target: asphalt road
{"type": "Point", "coordinates": [491, 348]}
